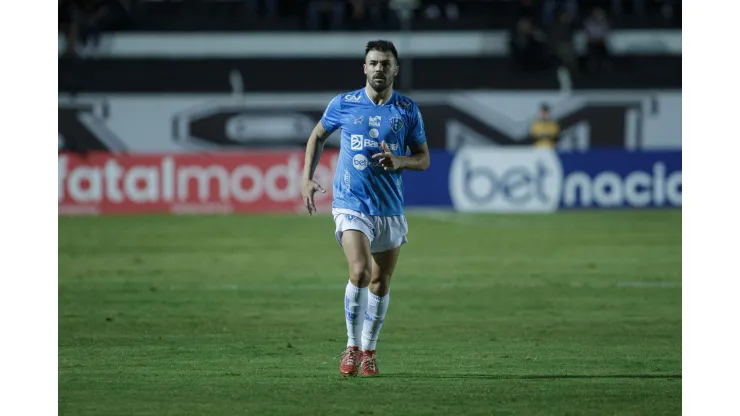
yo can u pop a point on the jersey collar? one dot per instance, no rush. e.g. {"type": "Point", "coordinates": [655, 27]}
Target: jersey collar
{"type": "Point", "coordinates": [390, 100]}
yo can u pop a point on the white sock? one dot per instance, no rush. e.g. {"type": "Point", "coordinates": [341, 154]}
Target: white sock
{"type": "Point", "coordinates": [377, 306]}
{"type": "Point", "coordinates": [355, 302]}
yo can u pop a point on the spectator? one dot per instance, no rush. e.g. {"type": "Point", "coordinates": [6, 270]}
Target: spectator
{"type": "Point", "coordinates": [367, 13]}
{"type": "Point", "coordinates": [527, 45]}
{"type": "Point", "coordinates": [561, 39]}
{"type": "Point", "coordinates": [551, 10]}
{"type": "Point", "coordinates": [544, 130]}
{"type": "Point", "coordinates": [68, 26]}
{"type": "Point", "coordinates": [638, 8]}
{"type": "Point", "coordinates": [434, 10]}
{"type": "Point", "coordinates": [253, 8]}
{"type": "Point", "coordinates": [597, 34]}
{"type": "Point", "coordinates": [526, 9]}
{"type": "Point", "coordinates": [669, 13]}
{"type": "Point", "coordinates": [318, 10]}
{"type": "Point", "coordinates": [82, 22]}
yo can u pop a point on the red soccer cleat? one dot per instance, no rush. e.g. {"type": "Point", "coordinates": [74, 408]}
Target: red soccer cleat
{"type": "Point", "coordinates": [350, 361]}
{"type": "Point", "coordinates": [369, 363]}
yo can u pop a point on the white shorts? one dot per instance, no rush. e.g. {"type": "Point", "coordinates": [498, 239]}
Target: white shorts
{"type": "Point", "coordinates": [384, 233]}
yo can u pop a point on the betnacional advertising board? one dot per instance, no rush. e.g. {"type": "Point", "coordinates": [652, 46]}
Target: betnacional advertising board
{"type": "Point", "coordinates": [487, 179]}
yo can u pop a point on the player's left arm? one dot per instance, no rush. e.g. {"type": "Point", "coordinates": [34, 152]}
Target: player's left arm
{"type": "Point", "coordinates": [417, 142]}
{"type": "Point", "coordinates": [419, 158]}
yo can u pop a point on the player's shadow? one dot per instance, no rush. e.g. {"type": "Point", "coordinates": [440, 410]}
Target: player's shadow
{"type": "Point", "coordinates": [532, 376]}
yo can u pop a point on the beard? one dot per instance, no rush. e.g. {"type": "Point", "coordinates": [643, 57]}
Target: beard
{"type": "Point", "coordinates": [380, 85]}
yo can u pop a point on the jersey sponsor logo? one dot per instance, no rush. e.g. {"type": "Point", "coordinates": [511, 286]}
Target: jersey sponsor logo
{"type": "Point", "coordinates": [359, 120]}
{"type": "Point", "coordinates": [374, 133]}
{"type": "Point", "coordinates": [396, 124]}
{"type": "Point", "coordinates": [356, 142]}
{"type": "Point", "coordinates": [374, 121]}
{"type": "Point", "coordinates": [505, 180]}
{"type": "Point", "coordinates": [360, 162]}
{"type": "Point", "coordinates": [368, 143]}
{"type": "Point", "coordinates": [353, 98]}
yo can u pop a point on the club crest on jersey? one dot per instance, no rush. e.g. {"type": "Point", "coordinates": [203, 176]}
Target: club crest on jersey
{"type": "Point", "coordinates": [356, 142]}
{"type": "Point", "coordinates": [396, 124]}
{"type": "Point", "coordinates": [374, 121]}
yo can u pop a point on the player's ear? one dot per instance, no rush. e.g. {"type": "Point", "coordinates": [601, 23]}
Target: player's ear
{"type": "Point", "coordinates": [396, 71]}
{"type": "Point", "coordinates": [364, 68]}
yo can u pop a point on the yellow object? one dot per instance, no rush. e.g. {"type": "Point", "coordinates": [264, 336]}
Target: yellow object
{"type": "Point", "coordinates": [545, 132]}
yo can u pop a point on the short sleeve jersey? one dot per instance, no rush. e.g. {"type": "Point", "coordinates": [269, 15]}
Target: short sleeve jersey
{"type": "Point", "coordinates": [360, 183]}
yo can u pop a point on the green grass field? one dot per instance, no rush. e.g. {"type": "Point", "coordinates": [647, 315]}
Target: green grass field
{"type": "Point", "coordinates": [567, 314]}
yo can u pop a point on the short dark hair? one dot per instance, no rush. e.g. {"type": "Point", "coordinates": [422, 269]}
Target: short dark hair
{"type": "Point", "coordinates": [381, 46]}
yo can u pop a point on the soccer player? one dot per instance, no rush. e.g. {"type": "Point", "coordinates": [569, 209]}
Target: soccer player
{"type": "Point", "coordinates": [382, 133]}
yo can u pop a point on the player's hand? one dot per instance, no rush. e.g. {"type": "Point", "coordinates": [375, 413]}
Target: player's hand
{"type": "Point", "coordinates": [308, 190]}
{"type": "Point", "coordinates": [388, 160]}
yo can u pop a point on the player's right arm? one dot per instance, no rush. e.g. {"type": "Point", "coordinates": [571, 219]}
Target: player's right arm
{"type": "Point", "coordinates": [315, 146]}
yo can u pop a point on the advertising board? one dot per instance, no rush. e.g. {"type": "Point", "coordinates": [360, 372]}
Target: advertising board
{"type": "Point", "coordinates": [489, 179]}
{"type": "Point", "coordinates": [269, 181]}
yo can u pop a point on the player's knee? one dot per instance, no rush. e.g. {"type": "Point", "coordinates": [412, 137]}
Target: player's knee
{"type": "Point", "coordinates": [360, 273]}
{"type": "Point", "coordinates": [380, 285]}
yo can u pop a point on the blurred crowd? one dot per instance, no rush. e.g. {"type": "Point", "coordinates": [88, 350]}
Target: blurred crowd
{"type": "Point", "coordinates": [541, 36]}
{"type": "Point", "coordinates": [541, 30]}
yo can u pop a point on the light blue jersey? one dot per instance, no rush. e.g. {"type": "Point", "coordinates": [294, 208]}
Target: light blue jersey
{"type": "Point", "coordinates": [361, 184]}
